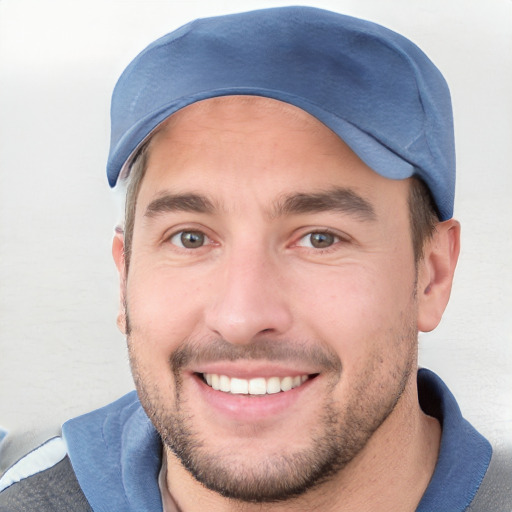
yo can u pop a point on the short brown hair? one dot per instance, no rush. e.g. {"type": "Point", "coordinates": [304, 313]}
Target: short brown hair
{"type": "Point", "coordinates": [137, 172]}
{"type": "Point", "coordinates": [423, 216]}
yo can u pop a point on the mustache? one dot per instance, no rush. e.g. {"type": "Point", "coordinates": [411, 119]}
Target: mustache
{"type": "Point", "coordinates": [193, 352]}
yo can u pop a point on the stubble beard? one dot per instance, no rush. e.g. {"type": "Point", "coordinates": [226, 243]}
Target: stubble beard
{"type": "Point", "coordinates": [340, 433]}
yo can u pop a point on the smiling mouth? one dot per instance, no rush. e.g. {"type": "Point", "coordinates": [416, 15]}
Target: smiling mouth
{"type": "Point", "coordinates": [255, 386]}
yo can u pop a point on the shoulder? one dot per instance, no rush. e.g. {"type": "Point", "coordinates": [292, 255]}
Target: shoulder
{"type": "Point", "coordinates": [470, 475]}
{"type": "Point", "coordinates": [42, 480]}
{"type": "Point", "coordinates": [495, 492]}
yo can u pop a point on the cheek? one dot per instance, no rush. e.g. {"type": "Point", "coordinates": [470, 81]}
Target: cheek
{"type": "Point", "coordinates": [164, 308]}
{"type": "Point", "coordinates": [359, 308]}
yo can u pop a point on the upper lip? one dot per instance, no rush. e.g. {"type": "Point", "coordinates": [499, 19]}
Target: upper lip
{"type": "Point", "coordinates": [252, 369]}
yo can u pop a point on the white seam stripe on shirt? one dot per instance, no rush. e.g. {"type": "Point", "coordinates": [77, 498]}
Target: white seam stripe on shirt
{"type": "Point", "coordinates": [40, 459]}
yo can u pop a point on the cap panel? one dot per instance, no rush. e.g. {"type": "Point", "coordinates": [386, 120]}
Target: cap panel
{"type": "Point", "coordinates": [374, 88]}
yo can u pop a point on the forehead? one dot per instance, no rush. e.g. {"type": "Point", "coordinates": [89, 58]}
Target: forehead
{"type": "Point", "coordinates": [229, 127]}
{"type": "Point", "coordinates": [218, 114]}
{"type": "Point", "coordinates": [253, 141]}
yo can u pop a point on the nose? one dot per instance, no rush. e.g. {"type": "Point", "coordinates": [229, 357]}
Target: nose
{"type": "Point", "coordinates": [248, 300]}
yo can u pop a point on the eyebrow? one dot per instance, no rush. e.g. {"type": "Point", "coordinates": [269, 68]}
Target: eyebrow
{"type": "Point", "coordinates": [343, 200]}
{"type": "Point", "coordinates": [179, 202]}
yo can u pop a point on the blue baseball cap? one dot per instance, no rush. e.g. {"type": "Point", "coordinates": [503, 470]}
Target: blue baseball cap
{"type": "Point", "coordinates": [374, 88]}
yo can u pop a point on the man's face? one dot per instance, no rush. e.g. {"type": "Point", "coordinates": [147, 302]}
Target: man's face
{"type": "Point", "coordinates": [270, 297]}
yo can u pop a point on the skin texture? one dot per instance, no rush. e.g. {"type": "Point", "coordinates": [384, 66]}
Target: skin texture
{"type": "Point", "coordinates": [255, 184]}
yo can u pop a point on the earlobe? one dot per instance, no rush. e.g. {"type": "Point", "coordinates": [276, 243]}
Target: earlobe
{"type": "Point", "coordinates": [435, 274]}
{"type": "Point", "coordinates": [118, 255]}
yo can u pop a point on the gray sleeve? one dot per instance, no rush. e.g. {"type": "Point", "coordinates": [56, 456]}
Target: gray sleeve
{"type": "Point", "coordinates": [55, 489]}
{"type": "Point", "coordinates": [495, 493]}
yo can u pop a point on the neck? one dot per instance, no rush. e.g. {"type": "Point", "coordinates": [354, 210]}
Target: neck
{"type": "Point", "coordinates": [390, 474]}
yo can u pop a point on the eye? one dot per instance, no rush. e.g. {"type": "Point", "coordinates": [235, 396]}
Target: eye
{"type": "Point", "coordinates": [318, 240]}
{"type": "Point", "coordinates": [189, 239]}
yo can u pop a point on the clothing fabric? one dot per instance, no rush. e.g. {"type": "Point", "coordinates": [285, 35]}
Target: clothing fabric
{"type": "Point", "coordinates": [53, 489]}
{"type": "Point", "coordinates": [349, 73]}
{"type": "Point", "coordinates": [110, 459]}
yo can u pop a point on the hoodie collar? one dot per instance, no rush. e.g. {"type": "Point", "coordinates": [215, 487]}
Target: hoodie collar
{"type": "Point", "coordinates": [116, 454]}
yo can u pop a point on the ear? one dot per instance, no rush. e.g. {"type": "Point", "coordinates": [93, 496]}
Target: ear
{"type": "Point", "coordinates": [435, 274]}
{"type": "Point", "coordinates": [118, 255]}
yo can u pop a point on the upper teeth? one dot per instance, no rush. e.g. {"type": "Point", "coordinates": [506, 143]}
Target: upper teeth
{"type": "Point", "coordinates": [257, 386]}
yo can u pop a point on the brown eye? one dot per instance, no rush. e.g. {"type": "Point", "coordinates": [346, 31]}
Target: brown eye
{"type": "Point", "coordinates": [321, 240]}
{"type": "Point", "coordinates": [318, 240]}
{"type": "Point", "coordinates": [189, 239]}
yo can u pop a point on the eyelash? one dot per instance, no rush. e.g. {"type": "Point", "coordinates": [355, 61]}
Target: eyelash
{"type": "Point", "coordinates": [207, 239]}
{"type": "Point", "coordinates": [337, 238]}
{"type": "Point", "coordinates": [178, 244]}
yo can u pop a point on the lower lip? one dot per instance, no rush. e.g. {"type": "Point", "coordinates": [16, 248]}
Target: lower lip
{"type": "Point", "coordinates": [251, 408]}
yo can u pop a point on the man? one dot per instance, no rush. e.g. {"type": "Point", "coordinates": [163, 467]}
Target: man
{"type": "Point", "coordinates": [289, 180]}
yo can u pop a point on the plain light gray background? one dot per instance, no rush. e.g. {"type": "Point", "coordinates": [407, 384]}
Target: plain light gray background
{"type": "Point", "coordinates": [60, 352]}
